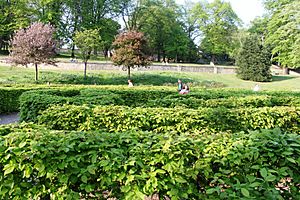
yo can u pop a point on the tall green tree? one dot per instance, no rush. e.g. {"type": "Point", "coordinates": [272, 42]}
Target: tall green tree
{"type": "Point", "coordinates": [160, 21]}
{"type": "Point", "coordinates": [284, 32]}
{"type": "Point", "coordinates": [91, 14]}
{"type": "Point", "coordinates": [87, 41]}
{"type": "Point", "coordinates": [254, 60]}
{"type": "Point", "coordinates": [218, 22]}
{"type": "Point", "coordinates": [191, 28]}
{"type": "Point", "coordinates": [14, 14]}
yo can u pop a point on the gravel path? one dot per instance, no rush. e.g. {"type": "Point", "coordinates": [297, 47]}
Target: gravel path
{"type": "Point", "coordinates": [9, 118]}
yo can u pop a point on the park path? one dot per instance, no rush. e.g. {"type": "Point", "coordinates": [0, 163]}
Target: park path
{"type": "Point", "coordinates": [9, 118]}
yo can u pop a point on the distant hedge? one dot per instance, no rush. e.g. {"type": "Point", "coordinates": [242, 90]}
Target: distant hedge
{"type": "Point", "coordinates": [36, 163]}
{"type": "Point", "coordinates": [33, 102]}
{"type": "Point", "coordinates": [120, 118]}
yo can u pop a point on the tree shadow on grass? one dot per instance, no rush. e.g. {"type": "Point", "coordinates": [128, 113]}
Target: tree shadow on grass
{"type": "Point", "coordinates": [282, 78]}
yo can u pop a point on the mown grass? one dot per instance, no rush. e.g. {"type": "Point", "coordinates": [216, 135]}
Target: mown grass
{"type": "Point", "coordinates": [19, 75]}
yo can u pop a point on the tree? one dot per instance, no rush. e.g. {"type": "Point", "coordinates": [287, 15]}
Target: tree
{"type": "Point", "coordinates": [254, 60]}
{"type": "Point", "coordinates": [87, 41]}
{"type": "Point", "coordinates": [34, 45]}
{"type": "Point", "coordinates": [109, 30]}
{"type": "Point", "coordinates": [284, 33]}
{"type": "Point", "coordinates": [88, 14]}
{"type": "Point", "coordinates": [191, 28]}
{"type": "Point", "coordinates": [218, 22]}
{"type": "Point", "coordinates": [14, 14]}
{"type": "Point", "coordinates": [130, 51]}
{"type": "Point", "coordinates": [159, 20]}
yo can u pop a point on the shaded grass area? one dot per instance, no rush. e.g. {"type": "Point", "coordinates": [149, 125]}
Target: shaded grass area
{"type": "Point", "coordinates": [9, 75]}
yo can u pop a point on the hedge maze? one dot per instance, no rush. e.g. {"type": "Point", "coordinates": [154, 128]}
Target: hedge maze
{"type": "Point", "coordinates": [115, 142]}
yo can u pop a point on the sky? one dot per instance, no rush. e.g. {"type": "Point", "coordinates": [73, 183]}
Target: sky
{"type": "Point", "coordinates": [247, 10]}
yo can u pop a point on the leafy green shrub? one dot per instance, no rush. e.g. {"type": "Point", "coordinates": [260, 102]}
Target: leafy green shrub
{"type": "Point", "coordinates": [9, 99]}
{"type": "Point", "coordinates": [9, 96]}
{"type": "Point", "coordinates": [259, 165]}
{"type": "Point", "coordinates": [33, 102]}
{"type": "Point", "coordinates": [36, 163]}
{"type": "Point", "coordinates": [118, 118]}
{"type": "Point", "coordinates": [230, 102]}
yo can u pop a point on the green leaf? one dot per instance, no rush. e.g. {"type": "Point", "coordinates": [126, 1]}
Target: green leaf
{"type": "Point", "coordinates": [88, 188]}
{"type": "Point", "coordinates": [27, 171]}
{"type": "Point", "coordinates": [179, 179]}
{"type": "Point", "coordinates": [270, 178]}
{"type": "Point", "coordinates": [21, 145]}
{"type": "Point", "coordinates": [255, 184]}
{"type": "Point", "coordinates": [91, 169]}
{"type": "Point", "coordinates": [63, 179]}
{"type": "Point", "coordinates": [245, 192]}
{"type": "Point", "coordinates": [263, 172]}
{"type": "Point", "coordinates": [125, 188]}
{"type": "Point", "coordinates": [84, 179]}
{"type": "Point", "coordinates": [8, 169]}
{"type": "Point", "coordinates": [211, 190]}
{"type": "Point", "coordinates": [160, 171]}
{"type": "Point", "coordinates": [291, 160]}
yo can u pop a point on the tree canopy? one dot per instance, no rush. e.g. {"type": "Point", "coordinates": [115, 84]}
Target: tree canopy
{"type": "Point", "coordinates": [284, 33]}
{"type": "Point", "coordinates": [203, 31]}
{"type": "Point", "coordinates": [34, 45]}
{"type": "Point", "coordinates": [131, 51]}
{"type": "Point", "coordinates": [87, 41]}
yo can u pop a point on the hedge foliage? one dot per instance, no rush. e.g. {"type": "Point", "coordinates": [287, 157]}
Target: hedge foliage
{"type": "Point", "coordinates": [33, 102]}
{"type": "Point", "coordinates": [9, 99]}
{"type": "Point", "coordinates": [36, 163]}
{"type": "Point", "coordinates": [120, 118]}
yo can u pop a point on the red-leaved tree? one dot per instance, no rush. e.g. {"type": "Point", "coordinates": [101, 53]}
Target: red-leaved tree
{"type": "Point", "coordinates": [130, 51]}
{"type": "Point", "coordinates": [35, 45]}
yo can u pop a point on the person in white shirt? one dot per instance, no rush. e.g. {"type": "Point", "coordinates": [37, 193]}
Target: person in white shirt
{"type": "Point", "coordinates": [256, 88]}
{"type": "Point", "coordinates": [130, 84]}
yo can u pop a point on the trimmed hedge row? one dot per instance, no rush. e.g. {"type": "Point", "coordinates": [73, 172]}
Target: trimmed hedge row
{"type": "Point", "coordinates": [147, 96]}
{"type": "Point", "coordinates": [9, 99]}
{"type": "Point", "coordinates": [119, 118]}
{"type": "Point", "coordinates": [36, 163]}
{"type": "Point", "coordinates": [33, 102]}
{"type": "Point", "coordinates": [230, 102]}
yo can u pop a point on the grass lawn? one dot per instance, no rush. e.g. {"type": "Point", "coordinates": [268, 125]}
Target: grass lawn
{"type": "Point", "coordinates": [21, 75]}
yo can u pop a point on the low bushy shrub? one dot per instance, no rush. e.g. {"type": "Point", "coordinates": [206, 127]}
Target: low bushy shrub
{"type": "Point", "coordinates": [230, 102]}
{"type": "Point", "coordinates": [9, 99]}
{"type": "Point", "coordinates": [36, 163]}
{"type": "Point", "coordinates": [119, 118]}
{"type": "Point", "coordinates": [33, 102]}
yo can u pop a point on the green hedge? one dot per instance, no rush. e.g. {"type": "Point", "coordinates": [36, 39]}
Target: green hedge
{"type": "Point", "coordinates": [9, 99]}
{"type": "Point", "coordinates": [36, 163]}
{"type": "Point", "coordinates": [119, 118]}
{"type": "Point", "coordinates": [230, 102]}
{"type": "Point", "coordinates": [33, 102]}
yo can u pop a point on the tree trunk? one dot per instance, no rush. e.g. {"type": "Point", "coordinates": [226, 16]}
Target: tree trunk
{"type": "Point", "coordinates": [85, 65]}
{"type": "Point", "coordinates": [285, 70]}
{"type": "Point", "coordinates": [36, 72]}
{"type": "Point", "coordinates": [72, 51]}
{"type": "Point", "coordinates": [213, 59]}
{"type": "Point", "coordinates": [128, 69]}
{"type": "Point", "coordinates": [158, 55]}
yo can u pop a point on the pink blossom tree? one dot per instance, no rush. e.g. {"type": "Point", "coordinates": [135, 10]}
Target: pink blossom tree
{"type": "Point", "coordinates": [35, 45]}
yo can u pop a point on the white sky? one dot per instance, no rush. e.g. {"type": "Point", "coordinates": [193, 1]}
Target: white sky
{"type": "Point", "coordinates": [247, 10]}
